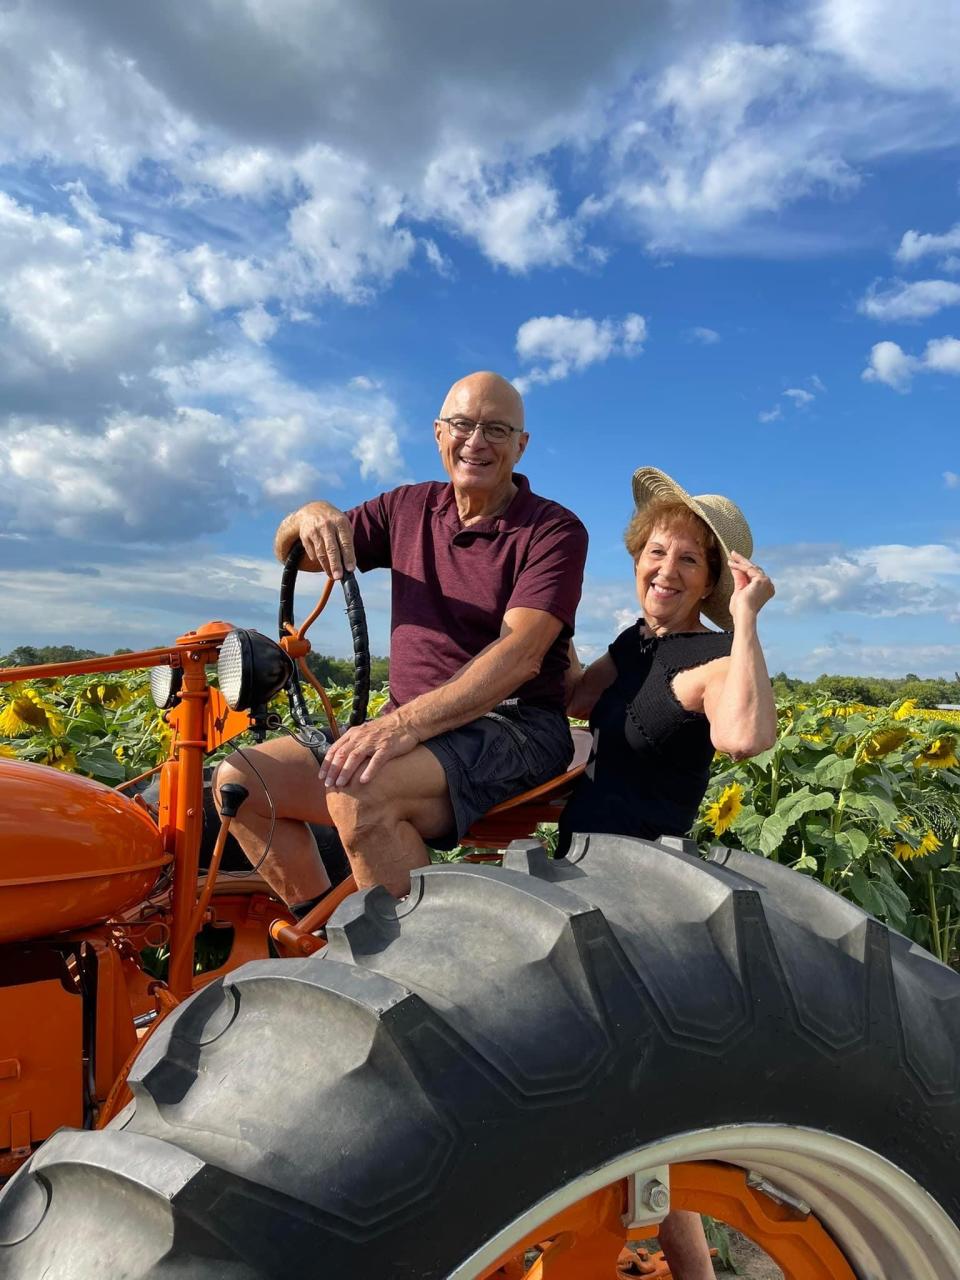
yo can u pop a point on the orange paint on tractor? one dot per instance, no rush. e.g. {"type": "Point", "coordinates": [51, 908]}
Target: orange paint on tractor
{"type": "Point", "coordinates": [72, 852]}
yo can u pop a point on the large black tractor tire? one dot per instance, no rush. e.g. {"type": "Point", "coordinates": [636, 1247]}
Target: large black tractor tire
{"type": "Point", "coordinates": [501, 1040]}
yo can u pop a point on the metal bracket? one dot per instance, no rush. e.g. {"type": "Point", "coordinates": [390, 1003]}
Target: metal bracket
{"type": "Point", "coordinates": [648, 1197]}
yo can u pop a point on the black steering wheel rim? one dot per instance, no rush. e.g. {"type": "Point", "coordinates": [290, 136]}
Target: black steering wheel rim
{"type": "Point", "coordinates": [356, 616]}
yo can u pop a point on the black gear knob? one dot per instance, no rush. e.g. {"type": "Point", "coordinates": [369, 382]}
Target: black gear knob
{"type": "Point", "coordinates": [232, 796]}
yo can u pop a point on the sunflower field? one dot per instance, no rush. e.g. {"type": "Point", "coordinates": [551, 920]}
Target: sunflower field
{"type": "Point", "coordinates": [866, 799]}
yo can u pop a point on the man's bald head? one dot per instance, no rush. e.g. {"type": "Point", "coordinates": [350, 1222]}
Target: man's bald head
{"type": "Point", "coordinates": [484, 397]}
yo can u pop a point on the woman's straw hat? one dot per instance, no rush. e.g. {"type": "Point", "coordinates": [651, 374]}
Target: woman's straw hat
{"type": "Point", "coordinates": [723, 516]}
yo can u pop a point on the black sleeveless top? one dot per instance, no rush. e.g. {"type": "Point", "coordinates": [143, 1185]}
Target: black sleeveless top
{"type": "Point", "coordinates": [650, 762]}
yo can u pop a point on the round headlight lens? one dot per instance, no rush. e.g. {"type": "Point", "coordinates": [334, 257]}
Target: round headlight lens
{"type": "Point", "coordinates": [165, 685]}
{"type": "Point", "coordinates": [231, 673]}
{"type": "Point", "coordinates": [251, 669]}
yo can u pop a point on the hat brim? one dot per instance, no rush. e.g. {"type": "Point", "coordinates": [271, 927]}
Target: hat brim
{"type": "Point", "coordinates": [652, 485]}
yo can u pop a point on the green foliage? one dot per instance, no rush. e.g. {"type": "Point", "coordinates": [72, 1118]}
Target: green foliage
{"type": "Point", "coordinates": [866, 800]}
{"type": "Point", "coordinates": [339, 671]}
{"type": "Point", "coordinates": [874, 691]}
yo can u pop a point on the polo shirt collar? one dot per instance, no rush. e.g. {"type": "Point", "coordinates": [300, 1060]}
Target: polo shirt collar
{"type": "Point", "coordinates": [514, 517]}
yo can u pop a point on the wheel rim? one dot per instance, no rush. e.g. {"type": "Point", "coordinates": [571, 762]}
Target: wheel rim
{"type": "Point", "coordinates": [885, 1224]}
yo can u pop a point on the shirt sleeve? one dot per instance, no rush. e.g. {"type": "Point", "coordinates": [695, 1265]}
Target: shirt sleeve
{"type": "Point", "coordinates": [371, 533]}
{"type": "Point", "coordinates": [551, 577]}
{"type": "Point", "coordinates": [623, 651]}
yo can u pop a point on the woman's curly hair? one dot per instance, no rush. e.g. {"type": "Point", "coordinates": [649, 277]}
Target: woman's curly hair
{"type": "Point", "coordinates": [669, 513]}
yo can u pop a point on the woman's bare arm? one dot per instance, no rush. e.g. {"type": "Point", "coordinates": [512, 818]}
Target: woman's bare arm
{"type": "Point", "coordinates": [584, 685]}
{"type": "Point", "coordinates": [738, 697]}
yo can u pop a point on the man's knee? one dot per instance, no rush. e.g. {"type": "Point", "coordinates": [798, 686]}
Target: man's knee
{"type": "Point", "coordinates": [235, 769]}
{"type": "Point", "coordinates": [359, 808]}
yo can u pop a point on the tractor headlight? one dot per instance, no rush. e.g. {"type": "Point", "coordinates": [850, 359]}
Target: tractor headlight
{"type": "Point", "coordinates": [165, 685]}
{"type": "Point", "coordinates": [251, 669]}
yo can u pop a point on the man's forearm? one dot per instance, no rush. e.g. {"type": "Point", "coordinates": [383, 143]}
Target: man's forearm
{"type": "Point", "coordinates": [486, 680]}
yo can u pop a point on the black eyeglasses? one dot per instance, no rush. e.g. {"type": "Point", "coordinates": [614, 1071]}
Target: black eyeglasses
{"type": "Point", "coordinates": [492, 432]}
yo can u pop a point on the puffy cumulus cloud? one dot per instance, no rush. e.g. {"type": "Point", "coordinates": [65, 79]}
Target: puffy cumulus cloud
{"type": "Point", "coordinates": [515, 219]}
{"type": "Point", "coordinates": [258, 324]}
{"type": "Point", "coordinates": [85, 313]}
{"type": "Point", "coordinates": [879, 581]}
{"type": "Point", "coordinates": [726, 134]}
{"type": "Point", "coordinates": [568, 344]}
{"type": "Point", "coordinates": [890, 364]}
{"type": "Point", "coordinates": [390, 85]}
{"type": "Point", "coordinates": [75, 99]}
{"type": "Point", "coordinates": [906, 47]}
{"type": "Point", "coordinates": [770, 415]}
{"type": "Point", "coordinates": [916, 245]}
{"type": "Point", "coordinates": [913, 300]}
{"type": "Point", "coordinates": [241, 438]}
{"type": "Point", "coordinates": [348, 230]}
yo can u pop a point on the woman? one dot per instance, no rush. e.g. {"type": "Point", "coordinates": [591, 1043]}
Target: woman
{"type": "Point", "coordinates": [667, 694]}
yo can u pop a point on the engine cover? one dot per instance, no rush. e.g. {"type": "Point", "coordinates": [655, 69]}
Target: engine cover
{"type": "Point", "coordinates": [72, 852]}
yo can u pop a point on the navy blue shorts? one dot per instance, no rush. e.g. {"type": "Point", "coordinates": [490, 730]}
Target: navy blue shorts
{"type": "Point", "coordinates": [507, 751]}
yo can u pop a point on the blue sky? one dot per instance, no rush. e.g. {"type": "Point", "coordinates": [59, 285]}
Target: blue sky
{"type": "Point", "coordinates": [243, 256]}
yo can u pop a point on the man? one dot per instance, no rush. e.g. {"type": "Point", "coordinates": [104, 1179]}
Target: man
{"type": "Point", "coordinates": [486, 578]}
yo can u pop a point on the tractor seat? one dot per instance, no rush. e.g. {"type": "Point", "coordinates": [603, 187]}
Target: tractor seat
{"type": "Point", "coordinates": [518, 817]}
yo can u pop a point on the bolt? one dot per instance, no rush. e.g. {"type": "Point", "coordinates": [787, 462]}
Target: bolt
{"type": "Point", "coordinates": [656, 1196]}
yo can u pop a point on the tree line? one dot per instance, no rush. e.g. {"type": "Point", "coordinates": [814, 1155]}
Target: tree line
{"type": "Point", "coordinates": [327, 669]}
{"type": "Point", "coordinates": [873, 691]}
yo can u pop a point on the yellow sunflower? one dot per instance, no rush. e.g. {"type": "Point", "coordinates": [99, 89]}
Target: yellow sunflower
{"type": "Point", "coordinates": [906, 708]}
{"type": "Point", "coordinates": [7, 753]}
{"type": "Point", "coordinates": [941, 753]}
{"type": "Point", "coordinates": [61, 757]}
{"type": "Point", "coordinates": [882, 741]}
{"type": "Point", "coordinates": [723, 812]}
{"type": "Point", "coordinates": [27, 712]}
{"type": "Point", "coordinates": [928, 844]}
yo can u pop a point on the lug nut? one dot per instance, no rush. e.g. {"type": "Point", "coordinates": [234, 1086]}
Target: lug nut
{"type": "Point", "coordinates": [656, 1196]}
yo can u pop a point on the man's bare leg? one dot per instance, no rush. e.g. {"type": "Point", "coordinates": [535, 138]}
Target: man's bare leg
{"type": "Point", "coordinates": [292, 866]}
{"type": "Point", "coordinates": [685, 1247]}
{"type": "Point", "coordinates": [382, 823]}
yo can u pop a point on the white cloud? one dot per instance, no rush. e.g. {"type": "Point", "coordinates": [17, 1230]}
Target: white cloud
{"type": "Point", "coordinates": [916, 245]}
{"type": "Point", "coordinates": [146, 599]}
{"type": "Point", "coordinates": [914, 48]}
{"type": "Point", "coordinates": [704, 335]}
{"type": "Point", "coordinates": [886, 581]}
{"type": "Point", "coordinates": [951, 480]}
{"type": "Point", "coordinates": [729, 133]}
{"type": "Point", "coordinates": [770, 415]}
{"type": "Point", "coordinates": [258, 324]}
{"type": "Point", "coordinates": [515, 220]}
{"type": "Point", "coordinates": [890, 364]}
{"type": "Point", "coordinates": [852, 656]}
{"type": "Point", "coordinates": [567, 344]}
{"type": "Point", "coordinates": [349, 230]}
{"type": "Point", "coordinates": [799, 396]}
{"type": "Point", "coordinates": [914, 300]}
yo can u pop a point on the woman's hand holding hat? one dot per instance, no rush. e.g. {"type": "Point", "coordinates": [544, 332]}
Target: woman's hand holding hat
{"type": "Point", "coordinates": [751, 589]}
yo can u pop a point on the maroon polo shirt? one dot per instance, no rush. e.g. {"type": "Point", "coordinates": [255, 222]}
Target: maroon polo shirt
{"type": "Point", "coordinates": [452, 585]}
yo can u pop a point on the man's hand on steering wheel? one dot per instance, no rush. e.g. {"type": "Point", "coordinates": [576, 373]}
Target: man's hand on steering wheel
{"type": "Point", "coordinates": [326, 535]}
{"type": "Point", "coordinates": [362, 751]}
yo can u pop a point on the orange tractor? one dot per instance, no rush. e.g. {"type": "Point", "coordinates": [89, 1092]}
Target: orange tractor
{"type": "Point", "coordinates": [513, 1072]}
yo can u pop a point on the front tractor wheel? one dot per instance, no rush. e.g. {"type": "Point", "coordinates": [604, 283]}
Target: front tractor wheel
{"type": "Point", "coordinates": [508, 1059]}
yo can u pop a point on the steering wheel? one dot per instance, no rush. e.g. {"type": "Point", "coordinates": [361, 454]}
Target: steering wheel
{"type": "Point", "coordinates": [357, 618]}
